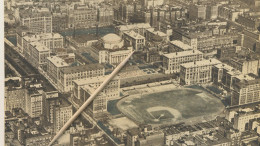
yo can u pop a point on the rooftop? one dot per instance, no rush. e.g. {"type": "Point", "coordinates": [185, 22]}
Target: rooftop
{"type": "Point", "coordinates": [183, 53]}
{"type": "Point", "coordinates": [81, 68]}
{"type": "Point", "coordinates": [212, 61]}
{"type": "Point", "coordinates": [134, 26]}
{"type": "Point", "coordinates": [180, 44]}
{"type": "Point", "coordinates": [39, 46]}
{"type": "Point", "coordinates": [57, 61]}
{"type": "Point", "coordinates": [96, 79]}
{"type": "Point", "coordinates": [134, 34]}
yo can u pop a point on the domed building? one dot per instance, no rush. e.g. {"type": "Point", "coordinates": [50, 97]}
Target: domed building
{"type": "Point", "coordinates": [112, 41]}
{"type": "Point", "coordinates": [111, 49]}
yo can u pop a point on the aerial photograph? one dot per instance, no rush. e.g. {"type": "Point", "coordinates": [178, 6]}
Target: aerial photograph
{"type": "Point", "coordinates": [131, 72]}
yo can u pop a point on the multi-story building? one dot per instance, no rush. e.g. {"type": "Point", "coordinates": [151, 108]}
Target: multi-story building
{"type": "Point", "coordinates": [54, 65]}
{"type": "Point", "coordinates": [250, 22]}
{"type": "Point", "coordinates": [228, 13]}
{"type": "Point", "coordinates": [251, 39]}
{"type": "Point", "coordinates": [59, 22]}
{"type": "Point", "coordinates": [35, 103]}
{"type": "Point", "coordinates": [151, 33]}
{"type": "Point", "coordinates": [208, 42]}
{"type": "Point", "coordinates": [105, 16]}
{"type": "Point", "coordinates": [246, 92]}
{"type": "Point", "coordinates": [68, 74]}
{"type": "Point", "coordinates": [82, 18]}
{"type": "Point", "coordinates": [62, 113]}
{"type": "Point", "coordinates": [197, 72]}
{"type": "Point", "coordinates": [50, 40]}
{"type": "Point", "coordinates": [212, 12]}
{"type": "Point", "coordinates": [178, 46]}
{"type": "Point", "coordinates": [242, 118]}
{"type": "Point", "coordinates": [227, 76]}
{"type": "Point", "coordinates": [139, 28]}
{"type": "Point", "coordinates": [226, 52]}
{"type": "Point", "coordinates": [246, 66]}
{"type": "Point", "coordinates": [111, 90]}
{"type": "Point", "coordinates": [98, 107]}
{"type": "Point", "coordinates": [110, 49]}
{"type": "Point", "coordinates": [15, 98]}
{"type": "Point", "coordinates": [37, 22]}
{"type": "Point", "coordinates": [172, 61]}
{"type": "Point", "coordinates": [84, 88]}
{"type": "Point", "coordinates": [197, 12]}
{"type": "Point", "coordinates": [37, 54]}
{"type": "Point", "coordinates": [134, 39]}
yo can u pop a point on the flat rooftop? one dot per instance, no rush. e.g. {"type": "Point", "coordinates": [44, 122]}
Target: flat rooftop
{"type": "Point", "coordinates": [91, 80]}
{"type": "Point", "coordinates": [134, 35]}
{"type": "Point", "coordinates": [40, 47]}
{"type": "Point", "coordinates": [205, 62]}
{"type": "Point", "coordinates": [57, 61]}
{"type": "Point", "coordinates": [183, 53]}
{"type": "Point", "coordinates": [81, 68]}
{"type": "Point", "coordinates": [180, 44]}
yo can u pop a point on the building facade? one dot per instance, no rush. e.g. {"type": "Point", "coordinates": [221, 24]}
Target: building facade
{"type": "Point", "coordinates": [134, 39]}
{"type": "Point", "coordinates": [197, 72]}
{"type": "Point", "coordinates": [246, 92]}
{"type": "Point", "coordinates": [172, 61]}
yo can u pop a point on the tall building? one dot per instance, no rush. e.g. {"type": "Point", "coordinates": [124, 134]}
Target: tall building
{"type": "Point", "coordinates": [15, 98]}
{"type": "Point", "coordinates": [62, 113]}
{"type": "Point", "coordinates": [212, 12]}
{"type": "Point", "coordinates": [172, 61]}
{"type": "Point", "coordinates": [35, 103]}
{"type": "Point", "coordinates": [37, 22]}
{"type": "Point", "coordinates": [197, 12]}
{"type": "Point", "coordinates": [197, 72]}
{"type": "Point", "coordinates": [59, 22]}
{"type": "Point", "coordinates": [105, 16]}
{"type": "Point", "coordinates": [82, 18]}
{"type": "Point", "coordinates": [246, 92]}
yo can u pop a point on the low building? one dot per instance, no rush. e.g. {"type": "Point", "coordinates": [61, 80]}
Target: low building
{"type": "Point", "coordinates": [172, 61]}
{"type": "Point", "coordinates": [134, 39]}
{"type": "Point", "coordinates": [197, 72]}
{"type": "Point", "coordinates": [246, 92]}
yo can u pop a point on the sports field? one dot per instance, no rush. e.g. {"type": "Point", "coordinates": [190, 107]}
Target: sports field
{"type": "Point", "coordinates": [168, 107]}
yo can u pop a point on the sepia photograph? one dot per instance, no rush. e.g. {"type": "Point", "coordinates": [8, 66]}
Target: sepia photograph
{"type": "Point", "coordinates": [131, 73]}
